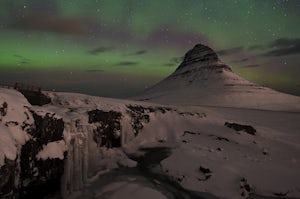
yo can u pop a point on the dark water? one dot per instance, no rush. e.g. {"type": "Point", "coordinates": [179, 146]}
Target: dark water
{"type": "Point", "coordinates": [149, 167]}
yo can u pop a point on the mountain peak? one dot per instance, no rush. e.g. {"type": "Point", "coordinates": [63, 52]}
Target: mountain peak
{"type": "Point", "coordinates": [201, 56]}
{"type": "Point", "coordinates": [203, 79]}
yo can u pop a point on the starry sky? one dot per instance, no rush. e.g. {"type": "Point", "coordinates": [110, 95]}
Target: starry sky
{"type": "Point", "coordinates": [118, 48]}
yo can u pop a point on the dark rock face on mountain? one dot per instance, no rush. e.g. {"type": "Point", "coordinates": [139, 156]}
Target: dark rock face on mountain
{"type": "Point", "coordinates": [198, 64]}
{"type": "Point", "coordinates": [202, 55]}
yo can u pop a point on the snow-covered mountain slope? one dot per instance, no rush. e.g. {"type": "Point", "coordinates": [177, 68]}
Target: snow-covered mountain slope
{"type": "Point", "coordinates": [124, 149]}
{"type": "Point", "coordinates": [202, 79]}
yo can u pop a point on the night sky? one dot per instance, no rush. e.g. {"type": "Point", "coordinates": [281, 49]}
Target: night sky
{"type": "Point", "coordinates": [117, 48]}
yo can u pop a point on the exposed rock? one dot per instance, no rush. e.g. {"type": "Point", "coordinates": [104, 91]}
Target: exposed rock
{"type": "Point", "coordinates": [222, 138]}
{"type": "Point", "coordinates": [200, 115]}
{"type": "Point", "coordinates": [47, 128]}
{"type": "Point", "coordinates": [108, 132]}
{"type": "Point", "coordinates": [245, 188]}
{"type": "Point", "coordinates": [240, 127]}
{"type": "Point", "coordinates": [139, 115]}
{"type": "Point", "coordinates": [42, 177]}
{"type": "Point", "coordinates": [180, 178]}
{"type": "Point", "coordinates": [103, 116]}
{"type": "Point", "coordinates": [190, 133]}
{"type": "Point", "coordinates": [150, 109]}
{"type": "Point", "coordinates": [11, 123]}
{"type": "Point", "coordinates": [281, 194]}
{"type": "Point", "coordinates": [36, 97]}
{"type": "Point", "coordinates": [265, 152]}
{"type": "Point", "coordinates": [201, 54]}
{"type": "Point", "coordinates": [7, 176]}
{"type": "Point", "coordinates": [219, 138]}
{"type": "Point", "coordinates": [206, 172]}
{"type": "Point", "coordinates": [39, 178]}
{"type": "Point", "coordinates": [3, 109]}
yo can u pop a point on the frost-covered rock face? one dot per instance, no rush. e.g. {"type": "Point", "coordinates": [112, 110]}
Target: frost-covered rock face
{"type": "Point", "coordinates": [141, 115]}
{"type": "Point", "coordinates": [108, 131]}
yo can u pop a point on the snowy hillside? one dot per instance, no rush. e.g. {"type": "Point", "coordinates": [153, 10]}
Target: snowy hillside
{"type": "Point", "coordinates": [107, 148]}
{"type": "Point", "coordinates": [203, 79]}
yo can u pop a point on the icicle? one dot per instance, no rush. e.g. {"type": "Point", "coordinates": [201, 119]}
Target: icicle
{"type": "Point", "coordinates": [76, 165]}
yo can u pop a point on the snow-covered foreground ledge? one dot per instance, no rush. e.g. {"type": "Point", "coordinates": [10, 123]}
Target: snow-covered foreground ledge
{"type": "Point", "coordinates": [88, 137]}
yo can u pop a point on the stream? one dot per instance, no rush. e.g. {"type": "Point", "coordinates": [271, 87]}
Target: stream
{"type": "Point", "coordinates": [147, 180]}
{"type": "Point", "coordinates": [146, 177]}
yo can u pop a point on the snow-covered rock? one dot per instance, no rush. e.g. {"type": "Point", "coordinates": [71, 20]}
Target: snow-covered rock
{"type": "Point", "coordinates": [29, 165]}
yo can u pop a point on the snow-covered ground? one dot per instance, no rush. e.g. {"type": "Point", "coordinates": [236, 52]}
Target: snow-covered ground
{"type": "Point", "coordinates": [14, 113]}
{"type": "Point", "coordinates": [220, 87]}
{"type": "Point", "coordinates": [206, 156]}
{"type": "Point", "coordinates": [204, 132]}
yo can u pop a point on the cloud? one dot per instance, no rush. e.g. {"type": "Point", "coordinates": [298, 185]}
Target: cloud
{"type": "Point", "coordinates": [230, 51]}
{"type": "Point", "coordinates": [175, 61]}
{"type": "Point", "coordinates": [126, 63]}
{"type": "Point", "coordinates": [19, 56]}
{"type": "Point", "coordinates": [284, 46]}
{"type": "Point", "coordinates": [169, 64]}
{"type": "Point", "coordinates": [140, 52]}
{"type": "Point", "coordinates": [170, 36]}
{"type": "Point", "coordinates": [45, 15]}
{"type": "Point", "coordinates": [256, 47]}
{"type": "Point", "coordinates": [58, 24]}
{"type": "Point", "coordinates": [94, 70]}
{"type": "Point", "coordinates": [101, 49]}
{"type": "Point", "coordinates": [24, 62]}
{"type": "Point", "coordinates": [285, 42]}
{"type": "Point", "coordinates": [251, 66]}
{"type": "Point", "coordinates": [22, 59]}
{"type": "Point", "coordinates": [240, 60]}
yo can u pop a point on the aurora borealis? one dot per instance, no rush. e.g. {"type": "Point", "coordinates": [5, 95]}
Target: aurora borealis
{"type": "Point", "coordinates": [118, 48]}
